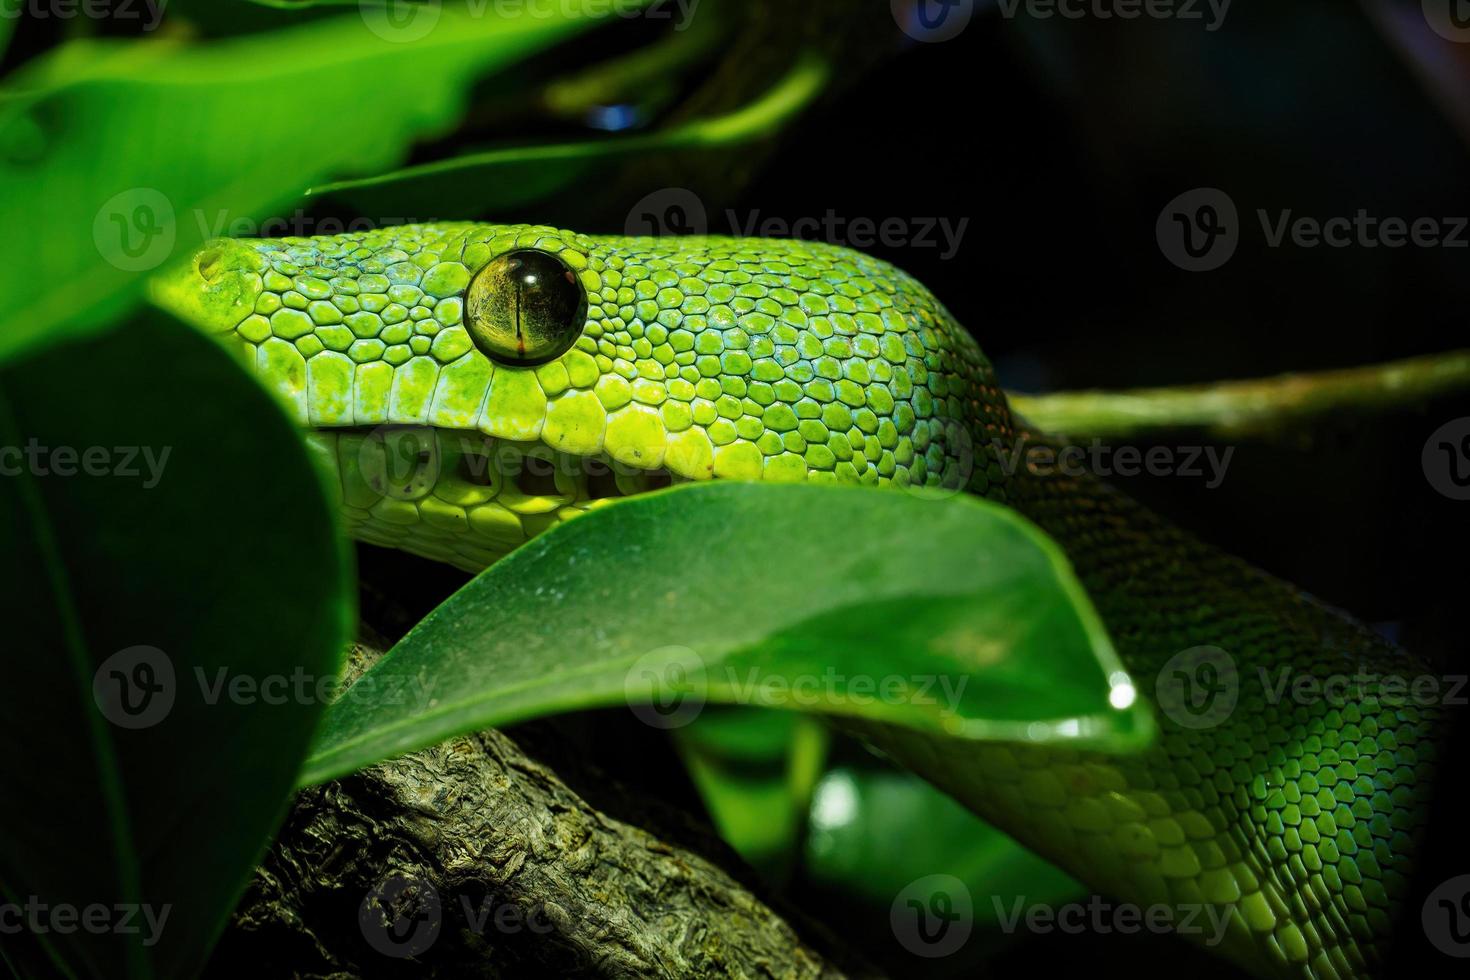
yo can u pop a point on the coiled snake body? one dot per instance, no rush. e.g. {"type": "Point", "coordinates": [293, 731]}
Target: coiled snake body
{"type": "Point", "coordinates": [548, 371]}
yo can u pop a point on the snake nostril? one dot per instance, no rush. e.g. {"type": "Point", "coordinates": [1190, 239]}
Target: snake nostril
{"type": "Point", "coordinates": [208, 262]}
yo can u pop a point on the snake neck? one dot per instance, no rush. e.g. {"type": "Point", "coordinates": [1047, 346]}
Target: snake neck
{"type": "Point", "coordinates": [1289, 788]}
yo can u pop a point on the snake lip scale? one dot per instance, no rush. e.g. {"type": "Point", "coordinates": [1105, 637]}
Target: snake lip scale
{"type": "Point", "coordinates": [472, 385]}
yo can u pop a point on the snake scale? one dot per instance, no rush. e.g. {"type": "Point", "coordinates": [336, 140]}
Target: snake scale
{"type": "Point", "coordinates": [545, 372]}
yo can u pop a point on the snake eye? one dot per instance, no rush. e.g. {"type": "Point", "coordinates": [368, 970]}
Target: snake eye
{"type": "Point", "coordinates": [526, 307]}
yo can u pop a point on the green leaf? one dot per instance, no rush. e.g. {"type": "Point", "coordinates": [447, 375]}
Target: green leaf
{"type": "Point", "coordinates": [952, 616]}
{"type": "Point", "coordinates": [513, 175]}
{"type": "Point", "coordinates": [161, 518]}
{"type": "Point", "coordinates": [115, 157]}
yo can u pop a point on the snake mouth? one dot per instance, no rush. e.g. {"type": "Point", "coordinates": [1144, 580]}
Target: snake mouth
{"type": "Point", "coordinates": [460, 496]}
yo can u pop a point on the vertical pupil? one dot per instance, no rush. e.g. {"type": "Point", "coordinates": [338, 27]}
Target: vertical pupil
{"type": "Point", "coordinates": [527, 307]}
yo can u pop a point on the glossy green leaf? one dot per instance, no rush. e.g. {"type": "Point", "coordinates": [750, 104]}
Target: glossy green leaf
{"type": "Point", "coordinates": [173, 566]}
{"type": "Point", "coordinates": [98, 183]}
{"type": "Point", "coordinates": [953, 616]}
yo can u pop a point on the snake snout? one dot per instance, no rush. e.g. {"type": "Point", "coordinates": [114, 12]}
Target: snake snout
{"type": "Point", "coordinates": [215, 288]}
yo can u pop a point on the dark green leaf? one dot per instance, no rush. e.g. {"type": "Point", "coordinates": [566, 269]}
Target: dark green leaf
{"type": "Point", "coordinates": [162, 524]}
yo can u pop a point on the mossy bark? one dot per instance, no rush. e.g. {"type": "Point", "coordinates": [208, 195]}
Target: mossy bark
{"type": "Point", "coordinates": [473, 859]}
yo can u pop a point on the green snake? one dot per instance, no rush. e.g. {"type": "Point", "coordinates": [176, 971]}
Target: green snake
{"type": "Point", "coordinates": [547, 372]}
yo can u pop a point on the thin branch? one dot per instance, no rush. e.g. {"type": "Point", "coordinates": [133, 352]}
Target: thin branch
{"type": "Point", "coordinates": [1264, 406]}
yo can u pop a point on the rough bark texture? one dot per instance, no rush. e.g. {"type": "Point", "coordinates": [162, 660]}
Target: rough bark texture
{"type": "Point", "coordinates": [473, 859]}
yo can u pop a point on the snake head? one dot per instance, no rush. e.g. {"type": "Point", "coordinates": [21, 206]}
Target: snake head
{"type": "Point", "coordinates": [705, 356]}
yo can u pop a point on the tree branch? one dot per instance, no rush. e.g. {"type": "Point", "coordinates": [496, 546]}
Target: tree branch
{"type": "Point", "coordinates": [1263, 406]}
{"type": "Point", "coordinates": [471, 859]}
